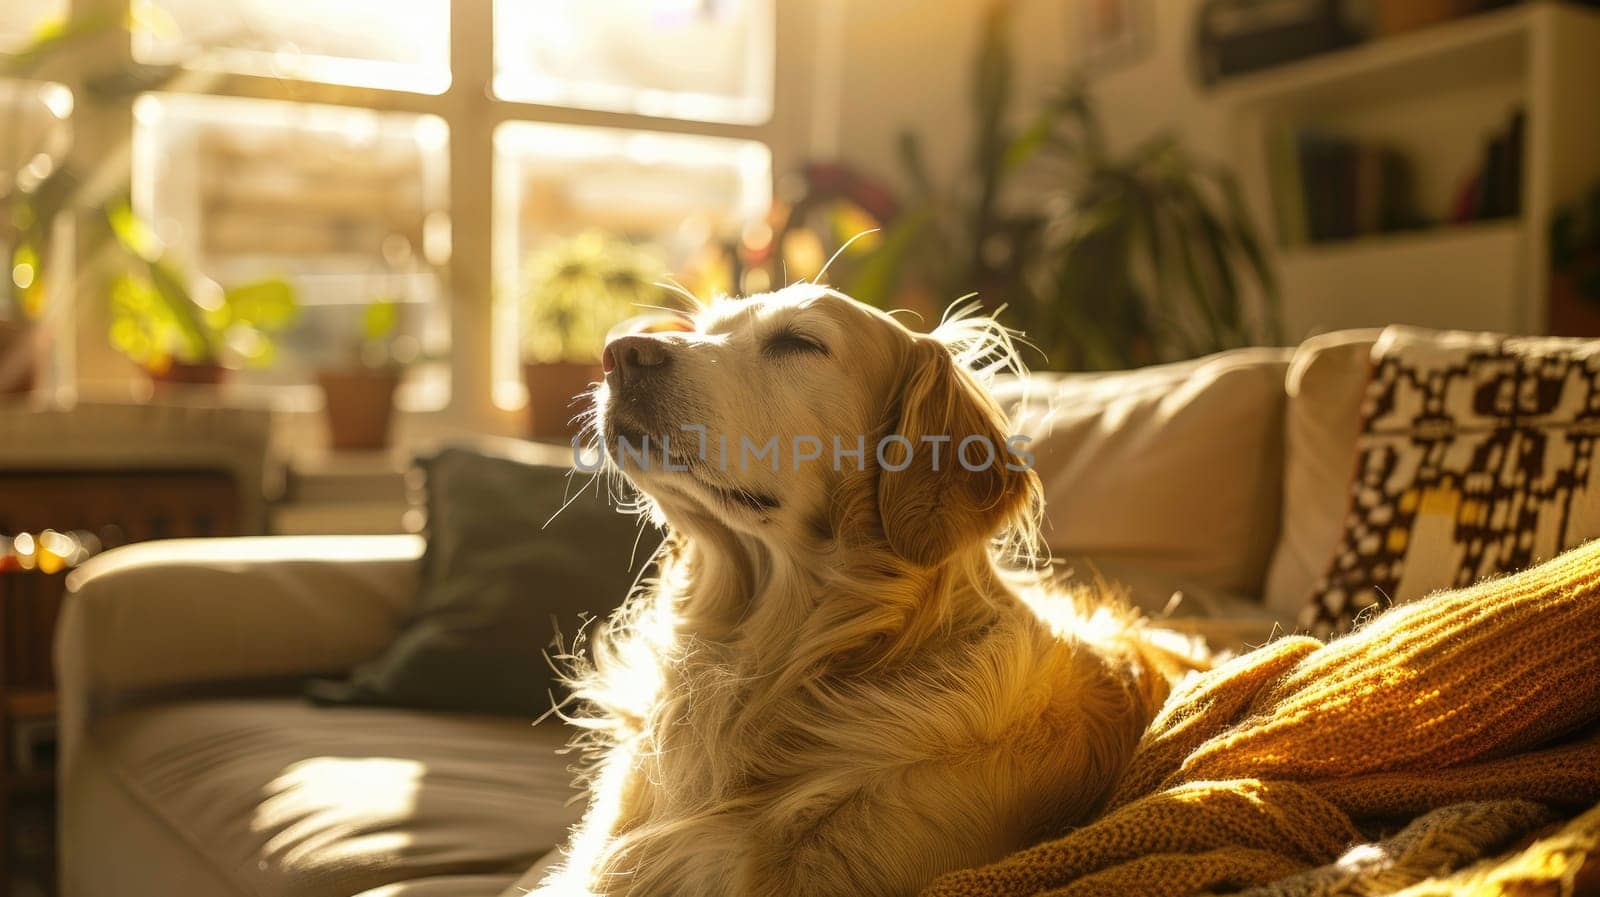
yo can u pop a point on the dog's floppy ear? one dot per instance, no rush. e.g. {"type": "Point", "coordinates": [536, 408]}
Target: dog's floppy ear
{"type": "Point", "coordinates": [935, 504]}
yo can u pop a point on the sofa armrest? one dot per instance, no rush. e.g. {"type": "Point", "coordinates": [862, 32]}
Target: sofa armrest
{"type": "Point", "coordinates": [174, 616]}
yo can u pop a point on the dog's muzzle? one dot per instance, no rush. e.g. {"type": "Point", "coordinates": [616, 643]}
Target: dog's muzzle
{"type": "Point", "coordinates": [637, 370]}
{"type": "Point", "coordinates": [635, 361]}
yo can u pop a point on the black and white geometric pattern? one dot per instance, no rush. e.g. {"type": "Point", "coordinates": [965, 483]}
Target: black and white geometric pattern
{"type": "Point", "coordinates": [1474, 458]}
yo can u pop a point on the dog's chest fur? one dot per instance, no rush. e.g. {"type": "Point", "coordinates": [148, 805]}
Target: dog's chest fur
{"type": "Point", "coordinates": [745, 784]}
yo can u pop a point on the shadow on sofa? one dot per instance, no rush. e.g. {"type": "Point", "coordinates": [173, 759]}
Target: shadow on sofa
{"type": "Point", "coordinates": [189, 768]}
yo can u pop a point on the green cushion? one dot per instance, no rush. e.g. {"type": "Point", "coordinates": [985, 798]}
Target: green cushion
{"type": "Point", "coordinates": [500, 578]}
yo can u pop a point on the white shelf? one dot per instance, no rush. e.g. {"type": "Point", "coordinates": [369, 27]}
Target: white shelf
{"type": "Point", "coordinates": [1467, 233]}
{"type": "Point", "coordinates": [1434, 95]}
{"type": "Point", "coordinates": [1459, 277]}
{"type": "Point", "coordinates": [1489, 42]}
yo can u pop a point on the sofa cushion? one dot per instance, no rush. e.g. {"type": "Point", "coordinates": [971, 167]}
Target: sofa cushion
{"type": "Point", "coordinates": [282, 798]}
{"type": "Point", "coordinates": [1475, 459]}
{"type": "Point", "coordinates": [521, 551]}
{"type": "Point", "coordinates": [1325, 384]}
{"type": "Point", "coordinates": [1163, 479]}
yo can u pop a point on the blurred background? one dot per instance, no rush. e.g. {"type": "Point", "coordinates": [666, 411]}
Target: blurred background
{"type": "Point", "coordinates": [366, 225]}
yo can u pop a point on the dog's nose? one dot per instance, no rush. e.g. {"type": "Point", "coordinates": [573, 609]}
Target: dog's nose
{"type": "Point", "coordinates": [631, 359]}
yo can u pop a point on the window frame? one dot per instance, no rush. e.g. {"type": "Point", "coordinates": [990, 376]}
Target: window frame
{"type": "Point", "coordinates": [472, 113]}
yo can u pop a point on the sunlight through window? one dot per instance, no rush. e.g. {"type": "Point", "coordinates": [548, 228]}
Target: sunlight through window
{"type": "Point", "coordinates": [312, 795]}
{"type": "Point", "coordinates": [672, 196]}
{"type": "Point", "coordinates": [343, 202]}
{"type": "Point", "coordinates": [267, 176]}
{"type": "Point", "coordinates": [368, 43]}
{"type": "Point", "coordinates": [693, 59]}
{"type": "Point", "coordinates": [20, 20]}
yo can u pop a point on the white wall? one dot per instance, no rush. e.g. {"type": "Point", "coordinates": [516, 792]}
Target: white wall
{"type": "Point", "coordinates": [908, 64]}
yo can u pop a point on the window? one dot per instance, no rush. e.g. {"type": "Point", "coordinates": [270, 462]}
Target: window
{"type": "Point", "coordinates": [347, 204]}
{"type": "Point", "coordinates": [368, 43]}
{"type": "Point", "coordinates": [421, 151]}
{"type": "Point", "coordinates": [668, 193]}
{"type": "Point", "coordinates": [710, 60]}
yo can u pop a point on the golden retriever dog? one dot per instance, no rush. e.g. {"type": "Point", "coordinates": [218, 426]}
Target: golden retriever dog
{"type": "Point", "coordinates": [832, 688]}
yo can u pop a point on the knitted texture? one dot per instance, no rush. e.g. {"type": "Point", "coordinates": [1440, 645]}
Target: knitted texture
{"type": "Point", "coordinates": [1440, 841]}
{"type": "Point", "coordinates": [1563, 862]}
{"type": "Point", "coordinates": [1280, 761]}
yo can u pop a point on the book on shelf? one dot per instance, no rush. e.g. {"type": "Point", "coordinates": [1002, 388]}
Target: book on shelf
{"type": "Point", "coordinates": [1327, 187]}
{"type": "Point", "coordinates": [1494, 188]}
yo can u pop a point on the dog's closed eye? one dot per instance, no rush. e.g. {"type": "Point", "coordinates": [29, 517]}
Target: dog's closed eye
{"type": "Point", "coordinates": [792, 342]}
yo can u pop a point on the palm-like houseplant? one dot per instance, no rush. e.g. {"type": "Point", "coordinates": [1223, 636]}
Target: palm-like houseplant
{"type": "Point", "coordinates": [34, 189]}
{"type": "Point", "coordinates": [1104, 259]}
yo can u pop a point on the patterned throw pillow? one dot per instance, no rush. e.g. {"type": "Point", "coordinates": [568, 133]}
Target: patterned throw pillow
{"type": "Point", "coordinates": [1475, 458]}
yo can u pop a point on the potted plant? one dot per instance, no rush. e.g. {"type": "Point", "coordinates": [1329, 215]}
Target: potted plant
{"type": "Point", "coordinates": [1574, 308]}
{"type": "Point", "coordinates": [179, 337]}
{"type": "Point", "coordinates": [34, 193]}
{"type": "Point", "coordinates": [1103, 259]}
{"type": "Point", "coordinates": [175, 334]}
{"type": "Point", "coordinates": [577, 290]}
{"type": "Point", "coordinates": [358, 397]}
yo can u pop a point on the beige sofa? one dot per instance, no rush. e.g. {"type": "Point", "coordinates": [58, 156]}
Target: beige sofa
{"type": "Point", "coordinates": [189, 768]}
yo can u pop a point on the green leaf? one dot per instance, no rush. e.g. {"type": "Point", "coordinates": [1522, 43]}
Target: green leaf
{"type": "Point", "coordinates": [879, 274]}
{"type": "Point", "coordinates": [1564, 239]}
{"type": "Point", "coordinates": [579, 288]}
{"type": "Point", "coordinates": [992, 81]}
{"type": "Point", "coordinates": [266, 305]}
{"type": "Point", "coordinates": [130, 230]}
{"type": "Point", "coordinates": [1150, 228]}
{"type": "Point", "coordinates": [379, 320]}
{"type": "Point", "coordinates": [1243, 232]}
{"type": "Point", "coordinates": [192, 337]}
{"type": "Point", "coordinates": [52, 39]}
{"type": "Point", "coordinates": [30, 292]}
{"type": "Point", "coordinates": [992, 101]}
{"type": "Point", "coordinates": [136, 320]}
{"type": "Point", "coordinates": [1213, 240]}
{"type": "Point", "coordinates": [909, 148]}
{"type": "Point", "coordinates": [1080, 138]}
{"type": "Point", "coordinates": [1032, 139]}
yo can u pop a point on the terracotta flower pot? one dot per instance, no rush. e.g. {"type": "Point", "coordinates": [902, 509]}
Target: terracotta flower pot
{"type": "Point", "coordinates": [185, 373]}
{"type": "Point", "coordinates": [358, 405]}
{"type": "Point", "coordinates": [558, 392]}
{"type": "Point", "coordinates": [18, 359]}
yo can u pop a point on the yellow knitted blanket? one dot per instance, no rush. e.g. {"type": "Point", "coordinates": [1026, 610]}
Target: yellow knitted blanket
{"type": "Point", "coordinates": [1447, 747]}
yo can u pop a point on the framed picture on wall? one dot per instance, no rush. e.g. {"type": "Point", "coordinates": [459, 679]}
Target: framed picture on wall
{"type": "Point", "coordinates": [1107, 34]}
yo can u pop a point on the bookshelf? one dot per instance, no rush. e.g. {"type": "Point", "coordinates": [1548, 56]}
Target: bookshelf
{"type": "Point", "coordinates": [1433, 97]}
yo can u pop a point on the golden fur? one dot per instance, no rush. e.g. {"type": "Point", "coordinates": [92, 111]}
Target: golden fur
{"type": "Point", "coordinates": [836, 690]}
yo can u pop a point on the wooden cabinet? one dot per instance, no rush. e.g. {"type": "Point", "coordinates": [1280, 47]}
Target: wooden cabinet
{"type": "Point", "coordinates": [29, 603]}
{"type": "Point", "coordinates": [117, 507]}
